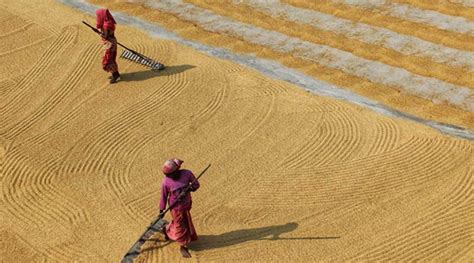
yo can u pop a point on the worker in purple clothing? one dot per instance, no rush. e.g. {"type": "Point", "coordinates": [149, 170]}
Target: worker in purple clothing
{"type": "Point", "coordinates": [181, 228]}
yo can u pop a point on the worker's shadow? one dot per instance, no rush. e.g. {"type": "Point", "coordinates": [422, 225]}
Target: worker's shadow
{"type": "Point", "coordinates": [148, 74]}
{"type": "Point", "coordinates": [240, 236]}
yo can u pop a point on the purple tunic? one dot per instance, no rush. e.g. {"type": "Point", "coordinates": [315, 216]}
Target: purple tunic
{"type": "Point", "coordinates": [172, 188]}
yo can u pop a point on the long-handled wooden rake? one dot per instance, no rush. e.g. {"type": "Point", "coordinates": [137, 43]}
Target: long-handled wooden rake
{"type": "Point", "coordinates": [133, 55]}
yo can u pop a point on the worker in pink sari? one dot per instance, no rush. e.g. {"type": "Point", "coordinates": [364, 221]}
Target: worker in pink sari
{"type": "Point", "coordinates": [106, 25]}
{"type": "Point", "coordinates": [181, 228]}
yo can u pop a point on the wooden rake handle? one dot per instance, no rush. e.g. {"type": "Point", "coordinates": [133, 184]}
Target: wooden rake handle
{"type": "Point", "coordinates": [118, 43]}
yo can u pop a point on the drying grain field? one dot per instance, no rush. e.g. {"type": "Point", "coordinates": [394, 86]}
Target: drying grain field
{"type": "Point", "coordinates": [295, 176]}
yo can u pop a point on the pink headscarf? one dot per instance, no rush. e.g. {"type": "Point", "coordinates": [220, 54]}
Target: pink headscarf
{"type": "Point", "coordinates": [171, 166]}
{"type": "Point", "coordinates": [105, 20]}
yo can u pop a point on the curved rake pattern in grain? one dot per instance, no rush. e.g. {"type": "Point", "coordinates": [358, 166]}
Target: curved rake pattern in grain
{"type": "Point", "coordinates": [337, 138]}
{"type": "Point", "coordinates": [346, 133]}
{"type": "Point", "coordinates": [128, 119]}
{"type": "Point", "coordinates": [32, 196]}
{"type": "Point", "coordinates": [142, 205]}
{"type": "Point", "coordinates": [68, 116]}
{"type": "Point", "coordinates": [118, 129]}
{"type": "Point", "coordinates": [21, 89]}
{"type": "Point", "coordinates": [360, 179]}
{"type": "Point", "coordinates": [312, 130]}
{"type": "Point", "coordinates": [200, 116]}
{"type": "Point", "coordinates": [386, 138]}
{"type": "Point", "coordinates": [230, 67]}
{"type": "Point", "coordinates": [65, 87]}
{"type": "Point", "coordinates": [372, 177]}
{"type": "Point", "coordinates": [450, 219]}
{"type": "Point", "coordinates": [138, 114]}
{"type": "Point", "coordinates": [264, 88]}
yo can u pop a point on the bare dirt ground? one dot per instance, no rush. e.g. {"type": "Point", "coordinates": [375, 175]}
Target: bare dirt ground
{"type": "Point", "coordinates": [294, 177]}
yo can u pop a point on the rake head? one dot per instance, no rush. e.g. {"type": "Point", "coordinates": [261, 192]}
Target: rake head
{"type": "Point", "coordinates": [140, 59]}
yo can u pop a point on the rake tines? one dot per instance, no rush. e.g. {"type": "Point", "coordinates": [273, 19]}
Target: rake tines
{"type": "Point", "coordinates": [140, 59]}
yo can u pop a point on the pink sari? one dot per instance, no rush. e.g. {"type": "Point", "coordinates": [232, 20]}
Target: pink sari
{"type": "Point", "coordinates": [181, 228]}
{"type": "Point", "coordinates": [109, 60]}
{"type": "Point", "coordinates": [106, 23]}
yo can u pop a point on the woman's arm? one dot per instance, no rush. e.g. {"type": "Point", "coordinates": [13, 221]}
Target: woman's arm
{"type": "Point", "coordinates": [164, 196]}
